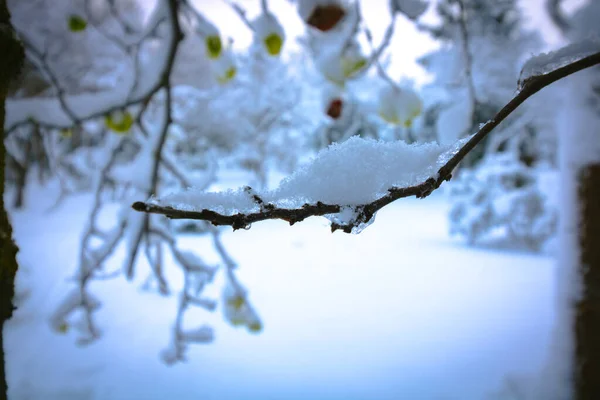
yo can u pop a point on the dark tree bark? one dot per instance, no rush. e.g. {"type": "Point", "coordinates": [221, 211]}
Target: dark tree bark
{"type": "Point", "coordinates": [11, 60]}
{"type": "Point", "coordinates": [587, 309]}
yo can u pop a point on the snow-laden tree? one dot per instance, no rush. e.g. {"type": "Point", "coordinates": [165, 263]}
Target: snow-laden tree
{"type": "Point", "coordinates": [498, 188]}
{"type": "Point", "coordinates": [171, 105]}
{"type": "Point", "coordinates": [354, 102]}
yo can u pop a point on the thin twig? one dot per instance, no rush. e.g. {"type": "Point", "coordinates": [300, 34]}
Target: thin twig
{"type": "Point", "coordinates": [164, 82]}
{"type": "Point", "coordinates": [466, 48]}
{"type": "Point", "coordinates": [142, 98]}
{"type": "Point", "coordinates": [43, 63]}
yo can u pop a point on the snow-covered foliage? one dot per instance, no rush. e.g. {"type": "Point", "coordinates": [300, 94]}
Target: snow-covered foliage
{"type": "Point", "coordinates": [152, 128]}
{"type": "Point", "coordinates": [474, 75]}
{"type": "Point", "coordinates": [502, 194]}
{"type": "Point", "coordinates": [171, 105]}
{"type": "Point", "coordinates": [333, 36]}
{"type": "Point", "coordinates": [399, 106]}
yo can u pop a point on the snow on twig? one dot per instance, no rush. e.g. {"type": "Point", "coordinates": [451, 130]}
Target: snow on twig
{"type": "Point", "coordinates": [545, 63]}
{"type": "Point", "coordinates": [224, 208]}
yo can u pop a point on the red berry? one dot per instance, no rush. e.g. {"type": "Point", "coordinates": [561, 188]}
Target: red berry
{"type": "Point", "coordinates": [335, 108]}
{"type": "Point", "coordinates": [324, 18]}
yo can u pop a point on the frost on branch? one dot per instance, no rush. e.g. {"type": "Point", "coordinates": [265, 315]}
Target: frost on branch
{"type": "Point", "coordinates": [547, 62]}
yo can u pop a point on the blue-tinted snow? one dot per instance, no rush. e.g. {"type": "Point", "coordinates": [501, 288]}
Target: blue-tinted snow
{"type": "Point", "coordinates": [400, 312]}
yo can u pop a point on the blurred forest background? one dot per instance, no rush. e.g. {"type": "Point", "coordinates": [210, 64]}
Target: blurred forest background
{"type": "Point", "coordinates": [451, 297]}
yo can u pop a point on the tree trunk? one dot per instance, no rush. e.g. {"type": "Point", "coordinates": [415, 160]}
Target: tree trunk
{"type": "Point", "coordinates": [587, 309]}
{"type": "Point", "coordinates": [579, 264]}
{"type": "Point", "coordinates": [10, 64]}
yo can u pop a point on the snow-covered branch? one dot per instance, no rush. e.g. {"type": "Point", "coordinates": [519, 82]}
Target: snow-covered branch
{"type": "Point", "coordinates": [68, 110]}
{"type": "Point", "coordinates": [352, 211]}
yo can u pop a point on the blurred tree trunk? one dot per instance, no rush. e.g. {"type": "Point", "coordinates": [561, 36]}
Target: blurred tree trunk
{"type": "Point", "coordinates": [11, 60]}
{"type": "Point", "coordinates": [577, 344]}
{"type": "Point", "coordinates": [580, 229]}
{"type": "Point", "coordinates": [587, 311]}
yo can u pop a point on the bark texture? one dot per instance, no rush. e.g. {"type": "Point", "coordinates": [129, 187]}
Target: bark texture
{"type": "Point", "coordinates": [11, 60]}
{"type": "Point", "coordinates": [587, 310]}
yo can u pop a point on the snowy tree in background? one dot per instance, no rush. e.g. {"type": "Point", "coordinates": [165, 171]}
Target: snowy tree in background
{"type": "Point", "coordinates": [503, 186]}
{"type": "Point", "coordinates": [149, 101]}
{"type": "Point", "coordinates": [349, 182]}
{"type": "Point", "coordinates": [123, 101]}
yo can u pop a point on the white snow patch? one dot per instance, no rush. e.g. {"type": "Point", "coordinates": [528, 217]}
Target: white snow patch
{"type": "Point", "coordinates": [355, 172]}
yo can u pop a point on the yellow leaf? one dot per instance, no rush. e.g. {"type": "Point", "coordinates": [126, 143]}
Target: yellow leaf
{"type": "Point", "coordinates": [229, 75]}
{"type": "Point", "coordinates": [237, 321]}
{"type": "Point", "coordinates": [351, 67]}
{"type": "Point", "coordinates": [213, 46]}
{"type": "Point", "coordinates": [237, 302]}
{"type": "Point", "coordinates": [119, 122]}
{"type": "Point", "coordinates": [274, 43]}
{"type": "Point", "coordinates": [63, 328]}
{"type": "Point", "coordinates": [66, 132]}
{"type": "Point", "coordinates": [255, 327]}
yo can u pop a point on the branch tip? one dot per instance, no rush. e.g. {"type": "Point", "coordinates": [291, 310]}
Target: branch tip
{"type": "Point", "coordinates": [140, 206]}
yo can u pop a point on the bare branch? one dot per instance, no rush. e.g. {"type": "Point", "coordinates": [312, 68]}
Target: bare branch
{"type": "Point", "coordinates": [365, 212]}
{"type": "Point", "coordinates": [164, 82]}
{"type": "Point", "coordinates": [380, 69]}
{"type": "Point", "coordinates": [466, 47]}
{"type": "Point", "coordinates": [141, 99]}
{"type": "Point", "coordinates": [43, 63]}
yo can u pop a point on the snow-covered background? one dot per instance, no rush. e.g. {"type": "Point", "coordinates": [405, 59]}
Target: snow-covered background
{"type": "Point", "coordinates": [399, 311]}
{"type": "Point", "coordinates": [453, 297]}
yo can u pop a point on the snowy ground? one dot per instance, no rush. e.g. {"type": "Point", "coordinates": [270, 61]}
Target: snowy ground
{"type": "Point", "coordinates": [400, 311]}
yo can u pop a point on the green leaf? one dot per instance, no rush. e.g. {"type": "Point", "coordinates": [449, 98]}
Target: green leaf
{"type": "Point", "coordinates": [274, 43]}
{"type": "Point", "coordinates": [213, 46]}
{"type": "Point", "coordinates": [77, 23]}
